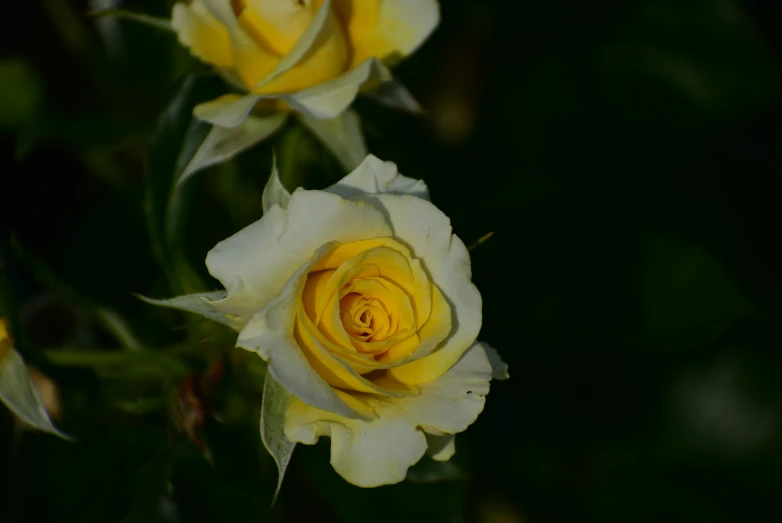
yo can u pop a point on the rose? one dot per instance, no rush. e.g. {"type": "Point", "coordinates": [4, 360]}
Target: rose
{"type": "Point", "coordinates": [359, 299]}
{"type": "Point", "coordinates": [311, 55]}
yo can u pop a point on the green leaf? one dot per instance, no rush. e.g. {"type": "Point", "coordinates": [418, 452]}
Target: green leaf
{"type": "Point", "coordinates": [197, 303]}
{"type": "Point", "coordinates": [274, 406]}
{"type": "Point", "coordinates": [21, 91]}
{"type": "Point", "coordinates": [174, 143]}
{"type": "Point", "coordinates": [275, 192]}
{"type": "Point", "coordinates": [223, 143]}
{"type": "Point", "coordinates": [150, 21]}
{"type": "Point", "coordinates": [104, 316]}
{"type": "Point", "coordinates": [19, 394]}
{"type": "Point", "coordinates": [342, 136]}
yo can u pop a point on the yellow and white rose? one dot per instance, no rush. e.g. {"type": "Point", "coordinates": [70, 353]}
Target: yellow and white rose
{"type": "Point", "coordinates": [312, 56]}
{"type": "Point", "coordinates": [359, 298]}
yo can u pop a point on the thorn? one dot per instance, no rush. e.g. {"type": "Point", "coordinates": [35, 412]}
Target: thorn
{"type": "Point", "coordinates": [479, 241]}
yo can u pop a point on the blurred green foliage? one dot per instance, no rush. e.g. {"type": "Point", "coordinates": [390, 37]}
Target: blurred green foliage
{"type": "Point", "coordinates": [627, 155]}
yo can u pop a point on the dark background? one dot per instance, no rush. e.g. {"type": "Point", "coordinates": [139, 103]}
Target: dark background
{"type": "Point", "coordinates": [627, 155]}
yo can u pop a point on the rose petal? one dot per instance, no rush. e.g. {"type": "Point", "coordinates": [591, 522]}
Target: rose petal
{"type": "Point", "coordinates": [379, 452]}
{"type": "Point", "coordinates": [270, 334]}
{"type": "Point", "coordinates": [250, 61]}
{"type": "Point", "coordinates": [402, 26]}
{"type": "Point", "coordinates": [375, 176]}
{"type": "Point", "coordinates": [202, 33]}
{"type": "Point", "coordinates": [441, 448]}
{"type": "Point", "coordinates": [330, 98]}
{"type": "Point", "coordinates": [255, 263]}
{"type": "Point", "coordinates": [427, 231]}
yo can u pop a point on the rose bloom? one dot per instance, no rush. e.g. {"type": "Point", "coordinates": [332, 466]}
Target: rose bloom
{"type": "Point", "coordinates": [359, 299]}
{"type": "Point", "coordinates": [314, 55]}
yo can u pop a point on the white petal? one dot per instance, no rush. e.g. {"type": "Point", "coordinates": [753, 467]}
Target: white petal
{"type": "Point", "coordinates": [329, 99]}
{"type": "Point", "coordinates": [441, 448]}
{"type": "Point", "coordinates": [499, 367]}
{"type": "Point", "coordinates": [374, 176]}
{"type": "Point", "coordinates": [427, 231]}
{"type": "Point", "coordinates": [201, 32]}
{"type": "Point", "coordinates": [402, 27]}
{"type": "Point", "coordinates": [270, 333]}
{"type": "Point", "coordinates": [255, 263]}
{"type": "Point", "coordinates": [379, 452]}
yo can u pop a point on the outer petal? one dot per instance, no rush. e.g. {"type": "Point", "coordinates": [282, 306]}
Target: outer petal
{"type": "Point", "coordinates": [374, 176]}
{"type": "Point", "coordinates": [255, 263]}
{"type": "Point", "coordinates": [402, 26]}
{"type": "Point", "coordinates": [202, 33]}
{"type": "Point", "coordinates": [270, 333]}
{"type": "Point", "coordinates": [427, 231]}
{"type": "Point", "coordinates": [379, 452]}
{"type": "Point", "coordinates": [441, 448]}
{"type": "Point", "coordinates": [328, 99]}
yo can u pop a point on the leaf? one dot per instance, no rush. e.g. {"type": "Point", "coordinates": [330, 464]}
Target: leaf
{"type": "Point", "coordinates": [150, 21]}
{"type": "Point", "coordinates": [224, 143]}
{"type": "Point", "coordinates": [274, 406]}
{"type": "Point", "coordinates": [275, 192]}
{"type": "Point", "coordinates": [19, 394]}
{"type": "Point", "coordinates": [104, 316]}
{"type": "Point", "coordinates": [21, 92]}
{"type": "Point", "coordinates": [174, 143]}
{"type": "Point", "coordinates": [197, 303]}
{"type": "Point", "coordinates": [342, 136]}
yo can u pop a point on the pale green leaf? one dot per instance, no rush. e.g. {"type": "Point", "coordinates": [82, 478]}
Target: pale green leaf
{"type": "Point", "coordinates": [223, 143]}
{"type": "Point", "coordinates": [274, 407]}
{"type": "Point", "coordinates": [198, 303]}
{"type": "Point", "coordinates": [342, 136]}
{"type": "Point", "coordinates": [150, 21]}
{"type": "Point", "coordinates": [21, 92]}
{"type": "Point", "coordinates": [275, 192]}
{"type": "Point", "coordinates": [19, 394]}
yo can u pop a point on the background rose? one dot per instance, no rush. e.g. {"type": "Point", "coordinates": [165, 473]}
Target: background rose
{"type": "Point", "coordinates": [313, 55]}
{"type": "Point", "coordinates": [359, 299]}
